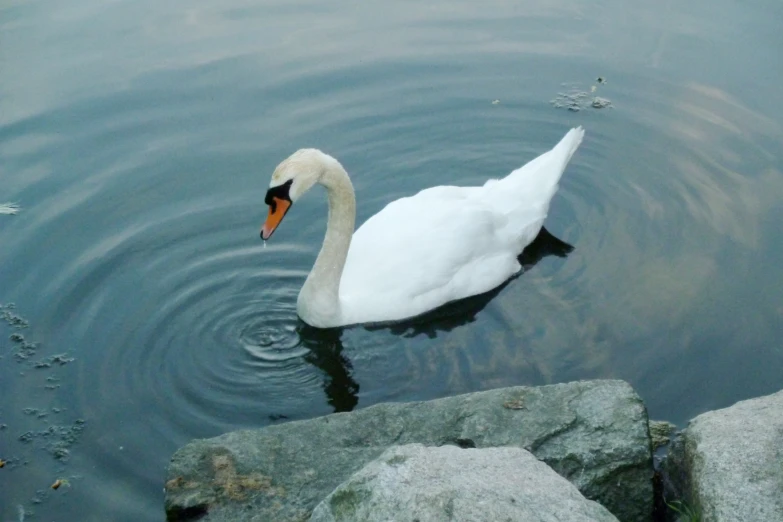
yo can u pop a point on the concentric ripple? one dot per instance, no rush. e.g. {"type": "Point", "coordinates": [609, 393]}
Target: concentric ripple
{"type": "Point", "coordinates": [273, 337]}
{"type": "Point", "coordinates": [215, 331]}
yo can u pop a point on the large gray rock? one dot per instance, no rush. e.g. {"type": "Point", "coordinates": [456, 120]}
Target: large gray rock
{"type": "Point", "coordinates": [728, 463]}
{"type": "Point", "coordinates": [442, 484]}
{"type": "Point", "coordinates": [593, 433]}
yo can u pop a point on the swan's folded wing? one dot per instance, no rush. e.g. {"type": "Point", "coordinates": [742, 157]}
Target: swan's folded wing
{"type": "Point", "coordinates": [424, 251]}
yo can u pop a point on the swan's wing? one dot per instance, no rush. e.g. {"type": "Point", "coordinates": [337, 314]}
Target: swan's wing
{"type": "Point", "coordinates": [442, 244]}
{"type": "Point", "coordinates": [447, 243]}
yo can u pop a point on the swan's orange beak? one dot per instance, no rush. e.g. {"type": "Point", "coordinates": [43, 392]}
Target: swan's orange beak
{"type": "Point", "coordinates": [277, 210]}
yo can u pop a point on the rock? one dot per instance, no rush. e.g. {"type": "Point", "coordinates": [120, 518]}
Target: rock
{"type": "Point", "coordinates": [593, 433]}
{"type": "Point", "coordinates": [661, 433]}
{"type": "Point", "coordinates": [445, 483]}
{"type": "Point", "coordinates": [729, 463]}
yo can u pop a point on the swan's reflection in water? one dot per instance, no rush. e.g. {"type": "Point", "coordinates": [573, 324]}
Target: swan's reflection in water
{"type": "Point", "coordinates": [326, 353]}
{"type": "Point", "coordinates": [325, 348]}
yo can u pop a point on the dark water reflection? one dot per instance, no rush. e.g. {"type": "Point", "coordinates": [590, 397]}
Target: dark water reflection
{"type": "Point", "coordinates": [139, 137]}
{"type": "Point", "coordinates": [326, 353]}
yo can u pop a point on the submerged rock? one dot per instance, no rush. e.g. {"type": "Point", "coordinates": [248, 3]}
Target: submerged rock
{"type": "Point", "coordinates": [593, 433]}
{"type": "Point", "coordinates": [728, 464]}
{"type": "Point", "coordinates": [415, 482]}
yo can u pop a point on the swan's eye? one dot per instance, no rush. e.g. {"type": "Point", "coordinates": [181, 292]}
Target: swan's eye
{"type": "Point", "coordinates": [279, 192]}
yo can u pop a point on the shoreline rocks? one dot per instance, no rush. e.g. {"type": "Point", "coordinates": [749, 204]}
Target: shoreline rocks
{"type": "Point", "coordinates": [502, 454]}
{"type": "Point", "coordinates": [728, 463]}
{"type": "Point", "coordinates": [592, 433]}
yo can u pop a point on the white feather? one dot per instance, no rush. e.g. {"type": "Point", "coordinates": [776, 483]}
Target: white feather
{"type": "Point", "coordinates": [9, 208]}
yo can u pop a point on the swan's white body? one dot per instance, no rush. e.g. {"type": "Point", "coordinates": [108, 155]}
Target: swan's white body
{"type": "Point", "coordinates": [420, 252]}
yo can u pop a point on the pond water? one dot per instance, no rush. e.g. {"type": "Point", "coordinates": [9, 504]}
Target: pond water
{"type": "Point", "coordinates": [139, 137]}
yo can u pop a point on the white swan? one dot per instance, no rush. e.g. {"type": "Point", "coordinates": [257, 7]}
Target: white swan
{"type": "Point", "coordinates": [420, 252]}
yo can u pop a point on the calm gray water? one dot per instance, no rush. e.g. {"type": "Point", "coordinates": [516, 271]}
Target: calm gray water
{"type": "Point", "coordinates": [139, 138]}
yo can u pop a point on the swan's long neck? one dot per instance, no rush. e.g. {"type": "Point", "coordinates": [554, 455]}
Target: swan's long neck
{"type": "Point", "coordinates": [319, 299]}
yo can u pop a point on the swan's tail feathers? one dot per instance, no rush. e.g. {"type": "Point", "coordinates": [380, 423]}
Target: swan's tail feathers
{"type": "Point", "coordinates": [542, 174]}
{"type": "Point", "coordinates": [537, 181]}
{"type": "Point", "coordinates": [568, 145]}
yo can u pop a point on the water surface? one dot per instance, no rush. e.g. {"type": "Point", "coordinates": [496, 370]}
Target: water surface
{"type": "Point", "coordinates": [139, 138]}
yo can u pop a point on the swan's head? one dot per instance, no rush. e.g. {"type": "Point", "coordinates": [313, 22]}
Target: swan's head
{"type": "Point", "coordinates": [292, 178]}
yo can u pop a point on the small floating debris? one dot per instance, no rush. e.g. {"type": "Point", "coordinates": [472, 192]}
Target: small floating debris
{"type": "Point", "coordinates": [61, 359]}
{"type": "Point", "coordinates": [576, 99]}
{"type": "Point", "coordinates": [600, 103]}
{"type": "Point", "coordinates": [60, 482]}
{"type": "Point", "coordinates": [58, 439]}
{"type": "Point", "coordinates": [59, 452]}
{"type": "Point", "coordinates": [38, 433]}
{"type": "Point", "coordinates": [9, 208]}
{"type": "Point", "coordinates": [35, 412]}
{"type": "Point", "coordinates": [11, 318]}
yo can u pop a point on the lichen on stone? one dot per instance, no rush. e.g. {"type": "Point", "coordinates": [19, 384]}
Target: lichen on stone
{"type": "Point", "coordinates": [346, 500]}
{"type": "Point", "coordinates": [660, 433]}
{"type": "Point", "coordinates": [235, 486]}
